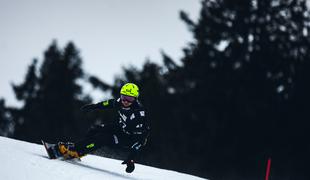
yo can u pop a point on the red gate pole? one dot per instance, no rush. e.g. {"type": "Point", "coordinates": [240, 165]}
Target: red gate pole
{"type": "Point", "coordinates": [268, 169]}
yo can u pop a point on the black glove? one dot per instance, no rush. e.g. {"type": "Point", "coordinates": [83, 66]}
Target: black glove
{"type": "Point", "coordinates": [89, 107]}
{"type": "Point", "coordinates": [130, 165]}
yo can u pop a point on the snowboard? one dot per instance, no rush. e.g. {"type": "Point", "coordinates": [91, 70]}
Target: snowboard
{"type": "Point", "coordinates": [53, 152]}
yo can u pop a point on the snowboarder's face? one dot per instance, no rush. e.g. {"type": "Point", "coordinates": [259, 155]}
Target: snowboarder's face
{"type": "Point", "coordinates": [127, 100]}
{"type": "Point", "coordinates": [126, 103]}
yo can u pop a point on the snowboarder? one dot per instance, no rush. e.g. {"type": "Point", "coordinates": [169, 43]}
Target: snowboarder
{"type": "Point", "coordinates": [131, 129]}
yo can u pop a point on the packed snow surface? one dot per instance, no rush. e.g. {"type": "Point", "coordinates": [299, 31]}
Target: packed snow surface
{"type": "Point", "coordinates": [26, 161]}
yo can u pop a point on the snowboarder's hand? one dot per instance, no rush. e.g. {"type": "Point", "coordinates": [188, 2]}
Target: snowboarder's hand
{"type": "Point", "coordinates": [89, 107]}
{"type": "Point", "coordinates": [130, 165]}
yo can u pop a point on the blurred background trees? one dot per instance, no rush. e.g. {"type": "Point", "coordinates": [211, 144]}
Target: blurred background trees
{"type": "Point", "coordinates": [238, 97]}
{"type": "Point", "coordinates": [52, 97]}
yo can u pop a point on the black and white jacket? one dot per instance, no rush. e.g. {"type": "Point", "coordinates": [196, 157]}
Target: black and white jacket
{"type": "Point", "coordinates": [131, 120]}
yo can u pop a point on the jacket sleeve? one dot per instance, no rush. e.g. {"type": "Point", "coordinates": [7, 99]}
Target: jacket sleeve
{"type": "Point", "coordinates": [108, 104]}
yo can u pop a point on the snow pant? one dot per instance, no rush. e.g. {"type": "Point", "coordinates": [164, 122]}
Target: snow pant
{"type": "Point", "coordinates": [106, 135]}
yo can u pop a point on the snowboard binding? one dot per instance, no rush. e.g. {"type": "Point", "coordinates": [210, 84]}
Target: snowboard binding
{"type": "Point", "coordinates": [61, 150]}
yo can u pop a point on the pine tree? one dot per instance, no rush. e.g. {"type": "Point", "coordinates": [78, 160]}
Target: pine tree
{"type": "Point", "coordinates": [6, 120]}
{"type": "Point", "coordinates": [52, 98]}
{"type": "Point", "coordinates": [238, 78]}
{"type": "Point", "coordinates": [59, 73]}
{"type": "Point", "coordinates": [27, 92]}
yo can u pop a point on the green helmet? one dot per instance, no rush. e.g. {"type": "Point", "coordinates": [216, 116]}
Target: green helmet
{"type": "Point", "coordinates": [130, 89]}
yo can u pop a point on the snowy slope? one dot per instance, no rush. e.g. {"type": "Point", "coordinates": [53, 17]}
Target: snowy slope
{"type": "Point", "coordinates": [26, 161]}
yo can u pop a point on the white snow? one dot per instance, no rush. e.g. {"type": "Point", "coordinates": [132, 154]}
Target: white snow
{"type": "Point", "coordinates": [26, 161]}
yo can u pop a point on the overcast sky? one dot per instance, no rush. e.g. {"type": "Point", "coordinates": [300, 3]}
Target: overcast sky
{"type": "Point", "coordinates": [99, 28]}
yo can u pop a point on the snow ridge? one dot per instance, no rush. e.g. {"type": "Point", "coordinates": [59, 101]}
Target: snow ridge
{"type": "Point", "coordinates": [26, 161]}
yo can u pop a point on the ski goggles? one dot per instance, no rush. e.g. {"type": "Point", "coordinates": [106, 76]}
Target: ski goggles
{"type": "Point", "coordinates": [128, 98]}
